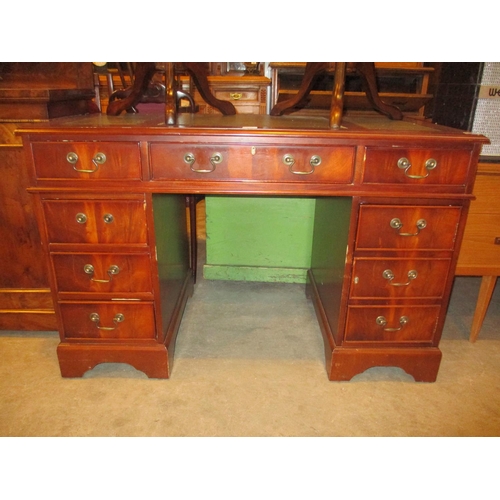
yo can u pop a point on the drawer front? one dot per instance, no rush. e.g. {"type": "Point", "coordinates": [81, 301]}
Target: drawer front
{"type": "Point", "coordinates": [391, 324]}
{"type": "Point", "coordinates": [260, 163]}
{"type": "Point", "coordinates": [105, 320]}
{"type": "Point", "coordinates": [481, 242]}
{"type": "Point", "coordinates": [407, 227]}
{"type": "Point", "coordinates": [125, 273]}
{"type": "Point", "coordinates": [399, 278]}
{"type": "Point", "coordinates": [416, 166]}
{"type": "Point", "coordinates": [237, 95]}
{"type": "Point", "coordinates": [82, 221]}
{"type": "Point", "coordinates": [87, 160]}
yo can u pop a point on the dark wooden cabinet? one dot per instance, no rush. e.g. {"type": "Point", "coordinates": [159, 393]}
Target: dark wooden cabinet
{"type": "Point", "coordinates": [30, 93]}
{"type": "Point", "coordinates": [391, 204]}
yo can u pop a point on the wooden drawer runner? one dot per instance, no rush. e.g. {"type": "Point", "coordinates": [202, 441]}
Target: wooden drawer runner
{"type": "Point", "coordinates": [416, 166]}
{"type": "Point", "coordinates": [265, 163]}
{"type": "Point", "coordinates": [108, 320]}
{"type": "Point", "coordinates": [391, 324]}
{"type": "Point", "coordinates": [407, 227]}
{"type": "Point", "coordinates": [399, 278]}
{"type": "Point", "coordinates": [82, 221]}
{"type": "Point", "coordinates": [87, 160]}
{"type": "Point", "coordinates": [102, 272]}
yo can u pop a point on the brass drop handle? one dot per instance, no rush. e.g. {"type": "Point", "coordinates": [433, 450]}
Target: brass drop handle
{"type": "Point", "coordinates": [381, 321]}
{"type": "Point", "coordinates": [119, 318]}
{"type": "Point", "coordinates": [404, 164]}
{"type": "Point", "coordinates": [97, 160]}
{"type": "Point", "coordinates": [289, 160]}
{"type": "Point", "coordinates": [112, 271]}
{"type": "Point", "coordinates": [236, 96]}
{"type": "Point", "coordinates": [215, 159]}
{"type": "Point", "coordinates": [397, 225]}
{"type": "Point", "coordinates": [389, 275]}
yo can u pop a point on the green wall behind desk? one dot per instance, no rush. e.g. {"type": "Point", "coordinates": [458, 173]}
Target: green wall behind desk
{"type": "Point", "coordinates": [259, 238]}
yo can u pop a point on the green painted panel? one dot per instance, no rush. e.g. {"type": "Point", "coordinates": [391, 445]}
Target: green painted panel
{"type": "Point", "coordinates": [259, 238]}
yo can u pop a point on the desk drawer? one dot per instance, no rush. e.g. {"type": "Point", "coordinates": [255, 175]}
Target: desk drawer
{"type": "Point", "coordinates": [106, 320]}
{"type": "Point", "coordinates": [102, 272]}
{"type": "Point", "coordinates": [407, 227]}
{"type": "Point", "coordinates": [416, 166]}
{"type": "Point", "coordinates": [87, 160]}
{"type": "Point", "coordinates": [237, 95]}
{"type": "Point", "coordinates": [375, 278]}
{"type": "Point", "coordinates": [260, 163]}
{"type": "Point", "coordinates": [91, 221]}
{"type": "Point", "coordinates": [391, 324]}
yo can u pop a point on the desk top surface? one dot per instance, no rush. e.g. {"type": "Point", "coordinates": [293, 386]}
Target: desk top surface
{"type": "Point", "coordinates": [254, 125]}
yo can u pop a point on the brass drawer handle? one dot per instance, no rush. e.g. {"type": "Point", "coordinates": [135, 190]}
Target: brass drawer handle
{"type": "Point", "coordinates": [381, 321]}
{"type": "Point", "coordinates": [112, 271]}
{"type": "Point", "coordinates": [236, 96]}
{"type": "Point", "coordinates": [289, 160]}
{"type": "Point", "coordinates": [397, 225]}
{"type": "Point", "coordinates": [404, 164]}
{"type": "Point", "coordinates": [215, 159]}
{"type": "Point", "coordinates": [108, 218]}
{"type": "Point", "coordinates": [81, 218]}
{"type": "Point", "coordinates": [119, 318]}
{"type": "Point", "coordinates": [389, 275]}
{"type": "Point", "coordinates": [99, 159]}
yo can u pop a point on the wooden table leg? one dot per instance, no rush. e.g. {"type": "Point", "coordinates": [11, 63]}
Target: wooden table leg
{"type": "Point", "coordinates": [483, 301]}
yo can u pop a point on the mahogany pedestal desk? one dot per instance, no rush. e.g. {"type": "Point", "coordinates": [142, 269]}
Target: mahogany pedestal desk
{"type": "Point", "coordinates": [391, 203]}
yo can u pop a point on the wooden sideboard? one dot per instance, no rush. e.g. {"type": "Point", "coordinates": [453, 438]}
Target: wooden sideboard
{"type": "Point", "coordinates": [248, 93]}
{"type": "Point", "coordinates": [480, 251]}
{"type": "Point", "coordinates": [391, 204]}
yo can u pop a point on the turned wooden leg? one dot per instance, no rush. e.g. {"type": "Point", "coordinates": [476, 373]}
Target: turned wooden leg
{"type": "Point", "coordinates": [368, 76]}
{"type": "Point", "coordinates": [312, 69]}
{"type": "Point", "coordinates": [129, 98]}
{"type": "Point", "coordinates": [483, 301]}
{"type": "Point", "coordinates": [200, 78]}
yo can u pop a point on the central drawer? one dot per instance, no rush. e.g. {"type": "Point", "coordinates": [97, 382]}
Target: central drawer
{"type": "Point", "coordinates": [260, 163]}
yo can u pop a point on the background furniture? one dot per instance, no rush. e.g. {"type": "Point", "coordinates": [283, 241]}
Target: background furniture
{"type": "Point", "coordinates": [463, 100]}
{"type": "Point", "coordinates": [30, 92]}
{"type": "Point", "coordinates": [480, 252]}
{"type": "Point", "coordinates": [406, 85]}
{"type": "Point", "coordinates": [391, 204]}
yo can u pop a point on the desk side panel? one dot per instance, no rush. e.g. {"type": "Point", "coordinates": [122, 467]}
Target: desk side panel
{"type": "Point", "coordinates": [172, 255]}
{"type": "Point", "coordinates": [329, 256]}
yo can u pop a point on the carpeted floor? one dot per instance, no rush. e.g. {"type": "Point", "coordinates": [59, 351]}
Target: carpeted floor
{"type": "Point", "coordinates": [249, 362]}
